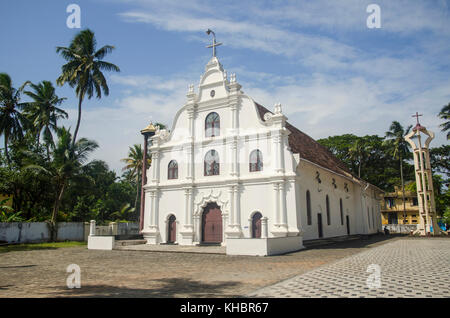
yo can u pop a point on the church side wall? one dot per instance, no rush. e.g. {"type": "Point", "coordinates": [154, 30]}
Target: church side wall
{"type": "Point", "coordinates": [351, 203]}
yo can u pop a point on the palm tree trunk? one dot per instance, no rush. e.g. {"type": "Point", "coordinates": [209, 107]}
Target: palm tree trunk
{"type": "Point", "coordinates": [55, 212]}
{"type": "Point", "coordinates": [403, 188]}
{"type": "Point", "coordinates": [80, 100]}
{"type": "Point", "coordinates": [6, 148]}
{"type": "Point", "coordinates": [359, 170]}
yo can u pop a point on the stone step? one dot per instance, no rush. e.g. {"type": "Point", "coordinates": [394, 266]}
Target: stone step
{"type": "Point", "coordinates": [129, 242]}
{"type": "Point", "coordinates": [123, 237]}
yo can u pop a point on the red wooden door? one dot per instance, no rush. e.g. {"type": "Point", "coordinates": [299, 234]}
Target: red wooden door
{"type": "Point", "coordinates": [256, 225]}
{"type": "Point", "coordinates": [212, 224]}
{"type": "Point", "coordinates": [172, 229]}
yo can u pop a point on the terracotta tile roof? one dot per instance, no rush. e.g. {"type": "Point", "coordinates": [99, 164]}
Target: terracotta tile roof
{"type": "Point", "coordinates": [310, 149]}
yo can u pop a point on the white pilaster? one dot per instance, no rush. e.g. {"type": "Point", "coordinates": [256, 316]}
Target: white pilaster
{"type": "Point", "coordinates": [151, 233]}
{"type": "Point", "coordinates": [280, 227]}
{"type": "Point", "coordinates": [155, 166]}
{"type": "Point", "coordinates": [234, 228]}
{"type": "Point", "coordinates": [187, 233]}
{"type": "Point", "coordinates": [264, 229]}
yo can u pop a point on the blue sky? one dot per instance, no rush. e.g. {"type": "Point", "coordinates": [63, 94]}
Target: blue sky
{"type": "Point", "coordinates": [331, 73]}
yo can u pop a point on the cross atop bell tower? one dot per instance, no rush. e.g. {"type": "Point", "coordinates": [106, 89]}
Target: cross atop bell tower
{"type": "Point", "coordinates": [418, 126]}
{"type": "Point", "coordinates": [214, 44]}
{"type": "Point", "coordinates": [417, 117]}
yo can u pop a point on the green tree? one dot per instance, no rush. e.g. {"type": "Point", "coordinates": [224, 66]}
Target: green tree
{"type": "Point", "coordinates": [11, 118]}
{"type": "Point", "coordinates": [359, 152]}
{"type": "Point", "coordinates": [398, 147]}
{"type": "Point", "coordinates": [7, 213]}
{"type": "Point", "coordinates": [133, 165]}
{"type": "Point", "coordinates": [84, 67]}
{"type": "Point", "coordinates": [98, 194]}
{"type": "Point", "coordinates": [372, 162]}
{"type": "Point", "coordinates": [43, 112]}
{"type": "Point", "coordinates": [124, 214]}
{"type": "Point", "coordinates": [440, 160]}
{"type": "Point", "coordinates": [66, 164]}
{"type": "Point", "coordinates": [31, 193]}
{"type": "Point", "coordinates": [445, 115]}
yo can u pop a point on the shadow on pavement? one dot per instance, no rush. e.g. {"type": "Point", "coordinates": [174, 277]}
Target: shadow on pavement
{"type": "Point", "coordinates": [366, 241]}
{"type": "Point", "coordinates": [171, 287]}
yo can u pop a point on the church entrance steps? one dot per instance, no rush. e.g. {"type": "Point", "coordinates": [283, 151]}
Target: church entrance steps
{"type": "Point", "coordinates": [172, 248]}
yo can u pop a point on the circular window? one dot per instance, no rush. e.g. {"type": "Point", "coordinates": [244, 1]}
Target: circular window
{"type": "Point", "coordinates": [213, 93]}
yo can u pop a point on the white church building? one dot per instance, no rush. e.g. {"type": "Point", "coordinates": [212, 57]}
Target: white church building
{"type": "Point", "coordinates": [234, 173]}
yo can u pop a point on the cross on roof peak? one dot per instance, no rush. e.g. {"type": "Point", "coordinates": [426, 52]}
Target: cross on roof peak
{"type": "Point", "coordinates": [214, 44]}
{"type": "Point", "coordinates": [417, 115]}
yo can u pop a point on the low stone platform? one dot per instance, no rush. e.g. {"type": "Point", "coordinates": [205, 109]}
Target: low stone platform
{"type": "Point", "coordinates": [169, 248]}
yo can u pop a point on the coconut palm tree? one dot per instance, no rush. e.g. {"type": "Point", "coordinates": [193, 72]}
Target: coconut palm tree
{"type": "Point", "coordinates": [43, 112]}
{"type": "Point", "coordinates": [11, 118]}
{"type": "Point", "coordinates": [358, 152]}
{"type": "Point", "coordinates": [66, 164]}
{"type": "Point", "coordinates": [395, 140]}
{"type": "Point", "coordinates": [124, 213]}
{"type": "Point", "coordinates": [445, 115]}
{"type": "Point", "coordinates": [83, 69]}
{"type": "Point", "coordinates": [134, 167]}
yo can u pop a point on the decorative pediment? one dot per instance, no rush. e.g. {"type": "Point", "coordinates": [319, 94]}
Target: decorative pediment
{"type": "Point", "coordinates": [205, 198]}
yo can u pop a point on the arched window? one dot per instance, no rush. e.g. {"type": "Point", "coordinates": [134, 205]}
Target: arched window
{"type": "Point", "coordinates": [328, 210]}
{"type": "Point", "coordinates": [256, 225]}
{"type": "Point", "coordinates": [256, 161]}
{"type": "Point", "coordinates": [212, 125]}
{"type": "Point", "coordinates": [212, 163]}
{"type": "Point", "coordinates": [172, 170]}
{"type": "Point", "coordinates": [342, 211]}
{"type": "Point", "coordinates": [308, 207]}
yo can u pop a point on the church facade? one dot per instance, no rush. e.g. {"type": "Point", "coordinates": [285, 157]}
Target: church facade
{"type": "Point", "coordinates": [231, 172]}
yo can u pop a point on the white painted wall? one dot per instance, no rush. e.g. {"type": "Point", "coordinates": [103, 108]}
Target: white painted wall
{"type": "Point", "coordinates": [21, 232]}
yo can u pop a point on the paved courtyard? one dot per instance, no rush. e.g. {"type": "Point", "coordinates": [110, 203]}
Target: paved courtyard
{"type": "Point", "coordinates": [123, 273]}
{"type": "Point", "coordinates": [407, 268]}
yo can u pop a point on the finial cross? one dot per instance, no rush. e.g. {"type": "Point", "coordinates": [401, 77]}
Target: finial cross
{"type": "Point", "coordinates": [214, 44]}
{"type": "Point", "coordinates": [417, 117]}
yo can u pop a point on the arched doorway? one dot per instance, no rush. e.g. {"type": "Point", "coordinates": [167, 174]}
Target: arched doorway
{"type": "Point", "coordinates": [256, 225]}
{"type": "Point", "coordinates": [212, 224]}
{"type": "Point", "coordinates": [172, 229]}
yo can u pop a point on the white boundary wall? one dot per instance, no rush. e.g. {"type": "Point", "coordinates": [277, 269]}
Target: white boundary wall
{"type": "Point", "coordinates": [34, 232]}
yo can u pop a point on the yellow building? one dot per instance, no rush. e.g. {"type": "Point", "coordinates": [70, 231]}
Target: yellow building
{"type": "Point", "coordinates": [392, 208]}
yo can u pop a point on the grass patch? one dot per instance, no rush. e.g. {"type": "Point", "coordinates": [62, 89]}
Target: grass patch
{"type": "Point", "coordinates": [39, 246]}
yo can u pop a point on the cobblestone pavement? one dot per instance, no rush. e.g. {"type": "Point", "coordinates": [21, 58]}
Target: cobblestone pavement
{"type": "Point", "coordinates": [408, 268]}
{"type": "Point", "coordinates": [42, 273]}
